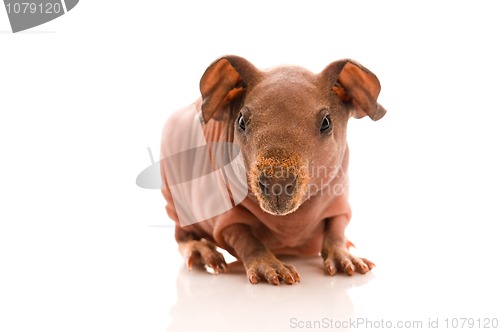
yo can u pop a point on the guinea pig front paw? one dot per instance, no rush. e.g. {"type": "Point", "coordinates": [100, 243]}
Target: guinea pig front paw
{"type": "Point", "coordinates": [266, 266]}
{"type": "Point", "coordinates": [204, 254]}
{"type": "Point", "coordinates": [338, 258]}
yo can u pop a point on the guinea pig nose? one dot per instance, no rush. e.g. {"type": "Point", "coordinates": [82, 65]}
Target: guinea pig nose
{"type": "Point", "coordinates": [277, 186]}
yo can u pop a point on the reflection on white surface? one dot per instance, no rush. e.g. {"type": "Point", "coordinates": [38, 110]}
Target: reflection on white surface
{"type": "Point", "coordinates": [228, 302]}
{"type": "Point", "coordinates": [409, 290]}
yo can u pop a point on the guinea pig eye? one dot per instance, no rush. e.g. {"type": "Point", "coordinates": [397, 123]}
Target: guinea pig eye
{"type": "Point", "coordinates": [241, 122]}
{"type": "Point", "coordinates": [326, 125]}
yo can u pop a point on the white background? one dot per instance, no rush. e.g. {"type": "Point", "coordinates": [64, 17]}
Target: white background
{"type": "Point", "coordinates": [82, 248]}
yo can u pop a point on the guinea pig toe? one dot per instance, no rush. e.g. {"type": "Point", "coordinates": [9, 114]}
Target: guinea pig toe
{"type": "Point", "coordinates": [214, 261]}
{"type": "Point", "coordinates": [329, 265]}
{"type": "Point", "coordinates": [339, 259]}
{"type": "Point", "coordinates": [204, 254]}
{"type": "Point", "coordinates": [362, 265]}
{"type": "Point", "coordinates": [273, 271]}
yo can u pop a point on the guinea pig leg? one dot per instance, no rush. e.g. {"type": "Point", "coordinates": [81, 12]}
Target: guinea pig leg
{"type": "Point", "coordinates": [335, 252]}
{"type": "Point", "coordinates": [260, 262]}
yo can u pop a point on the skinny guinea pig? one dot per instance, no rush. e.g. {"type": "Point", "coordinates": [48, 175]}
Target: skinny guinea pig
{"type": "Point", "coordinates": [285, 130]}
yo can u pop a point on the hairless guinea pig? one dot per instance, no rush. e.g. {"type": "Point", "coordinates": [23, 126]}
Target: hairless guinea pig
{"type": "Point", "coordinates": [258, 166]}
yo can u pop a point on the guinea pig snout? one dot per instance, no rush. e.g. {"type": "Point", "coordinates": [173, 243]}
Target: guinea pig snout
{"type": "Point", "coordinates": [278, 183]}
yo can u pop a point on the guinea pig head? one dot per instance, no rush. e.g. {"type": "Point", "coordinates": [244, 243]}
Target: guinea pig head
{"type": "Point", "coordinates": [289, 123]}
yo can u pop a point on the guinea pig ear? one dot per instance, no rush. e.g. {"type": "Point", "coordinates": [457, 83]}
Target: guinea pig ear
{"type": "Point", "coordinates": [357, 87]}
{"type": "Point", "coordinates": [225, 81]}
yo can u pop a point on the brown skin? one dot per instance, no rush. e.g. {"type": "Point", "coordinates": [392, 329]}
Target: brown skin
{"type": "Point", "coordinates": [290, 125]}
